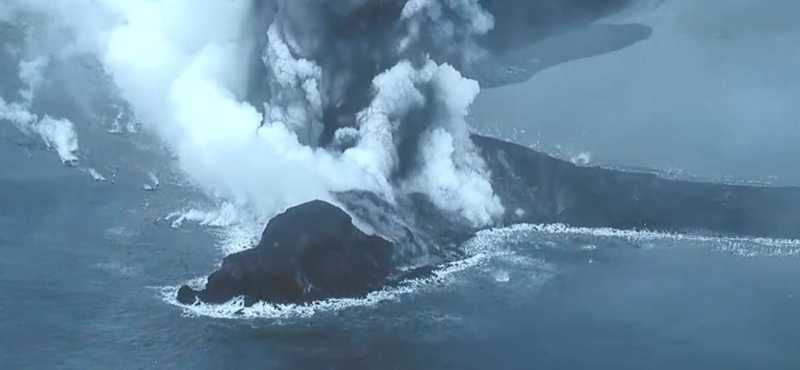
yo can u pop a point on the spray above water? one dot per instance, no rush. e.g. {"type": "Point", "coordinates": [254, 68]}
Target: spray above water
{"type": "Point", "coordinates": [58, 134]}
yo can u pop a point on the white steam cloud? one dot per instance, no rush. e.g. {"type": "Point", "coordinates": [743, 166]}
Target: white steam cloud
{"type": "Point", "coordinates": [57, 134]}
{"type": "Point", "coordinates": [185, 80]}
{"type": "Point", "coordinates": [471, 20]}
{"type": "Point", "coordinates": [185, 70]}
{"type": "Point", "coordinates": [452, 171]}
{"type": "Point", "coordinates": [17, 114]}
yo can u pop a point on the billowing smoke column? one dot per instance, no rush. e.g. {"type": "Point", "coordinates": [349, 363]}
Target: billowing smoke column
{"type": "Point", "coordinates": [271, 103]}
{"type": "Point", "coordinates": [328, 53]}
{"type": "Point", "coordinates": [363, 78]}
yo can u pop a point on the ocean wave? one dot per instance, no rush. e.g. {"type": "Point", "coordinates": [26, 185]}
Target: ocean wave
{"type": "Point", "coordinates": [236, 309]}
{"type": "Point", "coordinates": [226, 215]}
{"type": "Point", "coordinates": [742, 246]}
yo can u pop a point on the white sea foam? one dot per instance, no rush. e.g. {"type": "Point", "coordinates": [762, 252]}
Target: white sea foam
{"type": "Point", "coordinates": [502, 276]}
{"type": "Point", "coordinates": [582, 158]}
{"type": "Point", "coordinates": [119, 269]}
{"type": "Point", "coordinates": [96, 175]}
{"type": "Point", "coordinates": [488, 245]}
{"type": "Point", "coordinates": [744, 246]}
{"type": "Point", "coordinates": [235, 309]}
{"type": "Point", "coordinates": [480, 250]}
{"type": "Point", "coordinates": [238, 237]}
{"type": "Point", "coordinates": [154, 182]}
{"type": "Point", "coordinates": [225, 215]}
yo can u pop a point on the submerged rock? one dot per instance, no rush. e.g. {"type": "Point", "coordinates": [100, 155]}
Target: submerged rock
{"type": "Point", "coordinates": [310, 252]}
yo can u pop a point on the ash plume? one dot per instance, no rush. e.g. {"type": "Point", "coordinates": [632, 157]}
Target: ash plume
{"type": "Point", "coordinates": [375, 81]}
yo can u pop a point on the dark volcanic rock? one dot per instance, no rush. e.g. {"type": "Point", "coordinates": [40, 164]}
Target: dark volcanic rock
{"type": "Point", "coordinates": [312, 251]}
{"type": "Point", "coordinates": [187, 295]}
{"type": "Point", "coordinates": [421, 232]}
{"type": "Point", "coordinates": [548, 190]}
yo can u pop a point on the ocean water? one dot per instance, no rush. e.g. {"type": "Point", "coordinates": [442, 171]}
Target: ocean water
{"type": "Point", "coordinates": [85, 266]}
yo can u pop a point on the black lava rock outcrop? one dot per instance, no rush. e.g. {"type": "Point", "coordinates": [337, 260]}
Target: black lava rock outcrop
{"type": "Point", "coordinates": [537, 188]}
{"type": "Point", "coordinates": [310, 252]}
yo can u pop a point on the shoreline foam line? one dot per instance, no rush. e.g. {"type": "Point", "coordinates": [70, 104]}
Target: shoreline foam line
{"type": "Point", "coordinates": [482, 247]}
